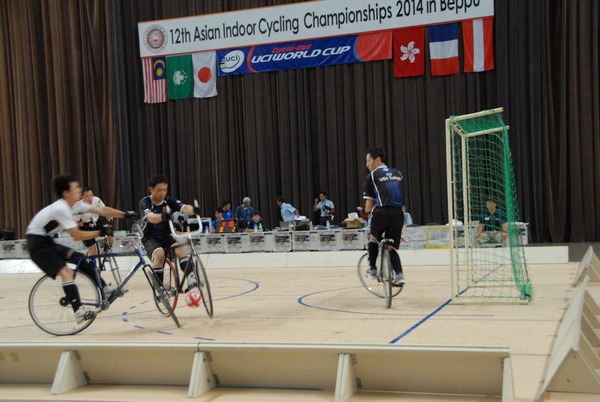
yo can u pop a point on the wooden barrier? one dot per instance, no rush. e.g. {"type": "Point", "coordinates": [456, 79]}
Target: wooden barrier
{"type": "Point", "coordinates": [590, 266]}
{"type": "Point", "coordinates": [574, 363]}
{"type": "Point", "coordinates": [342, 370]}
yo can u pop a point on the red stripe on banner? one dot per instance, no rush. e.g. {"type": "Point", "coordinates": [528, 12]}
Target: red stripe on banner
{"type": "Point", "coordinates": [444, 66]}
{"type": "Point", "coordinates": [467, 27]}
{"type": "Point", "coordinates": [488, 35]}
{"type": "Point", "coordinates": [375, 46]}
{"type": "Point", "coordinates": [249, 58]}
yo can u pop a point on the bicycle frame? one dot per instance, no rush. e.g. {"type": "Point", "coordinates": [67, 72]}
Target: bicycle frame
{"type": "Point", "coordinates": [121, 285]}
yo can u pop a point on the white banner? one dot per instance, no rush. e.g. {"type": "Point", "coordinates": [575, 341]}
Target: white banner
{"type": "Point", "coordinates": [299, 21]}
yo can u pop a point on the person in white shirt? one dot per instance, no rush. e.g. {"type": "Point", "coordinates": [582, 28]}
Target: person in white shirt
{"type": "Point", "coordinates": [52, 257]}
{"type": "Point", "coordinates": [88, 221]}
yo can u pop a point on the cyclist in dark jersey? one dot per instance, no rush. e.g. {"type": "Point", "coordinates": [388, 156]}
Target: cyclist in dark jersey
{"type": "Point", "coordinates": [383, 195]}
{"type": "Point", "coordinates": [155, 225]}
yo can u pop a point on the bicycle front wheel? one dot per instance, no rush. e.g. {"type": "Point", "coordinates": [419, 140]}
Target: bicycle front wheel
{"type": "Point", "coordinates": [372, 285]}
{"type": "Point", "coordinates": [387, 278]}
{"type": "Point", "coordinates": [51, 310]}
{"type": "Point", "coordinates": [203, 286]}
{"type": "Point", "coordinates": [160, 295]}
{"type": "Point", "coordinates": [170, 288]}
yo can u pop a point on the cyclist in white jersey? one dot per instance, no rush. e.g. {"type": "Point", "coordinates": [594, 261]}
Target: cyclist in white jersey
{"type": "Point", "coordinates": [52, 257]}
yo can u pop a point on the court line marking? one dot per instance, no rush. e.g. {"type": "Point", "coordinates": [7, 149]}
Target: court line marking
{"type": "Point", "coordinates": [408, 331]}
{"type": "Point", "coordinates": [302, 302]}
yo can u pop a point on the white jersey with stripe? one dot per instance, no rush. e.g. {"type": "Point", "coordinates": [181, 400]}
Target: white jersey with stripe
{"type": "Point", "coordinates": [55, 218]}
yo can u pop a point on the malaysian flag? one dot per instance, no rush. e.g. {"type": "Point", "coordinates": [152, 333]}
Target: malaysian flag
{"type": "Point", "coordinates": [155, 79]}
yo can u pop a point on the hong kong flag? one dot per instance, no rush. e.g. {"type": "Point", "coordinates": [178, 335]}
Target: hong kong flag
{"type": "Point", "coordinates": [409, 52]}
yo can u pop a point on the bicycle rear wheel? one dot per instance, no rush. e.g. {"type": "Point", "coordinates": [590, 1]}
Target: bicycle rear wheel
{"type": "Point", "coordinates": [170, 287]}
{"type": "Point", "coordinates": [387, 278]}
{"type": "Point", "coordinates": [203, 286]}
{"type": "Point", "coordinates": [161, 296]}
{"type": "Point", "coordinates": [52, 312]}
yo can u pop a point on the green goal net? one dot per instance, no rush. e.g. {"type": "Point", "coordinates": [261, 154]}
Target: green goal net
{"type": "Point", "coordinates": [487, 254]}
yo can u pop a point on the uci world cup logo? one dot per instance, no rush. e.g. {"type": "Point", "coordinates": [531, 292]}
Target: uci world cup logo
{"type": "Point", "coordinates": [155, 38]}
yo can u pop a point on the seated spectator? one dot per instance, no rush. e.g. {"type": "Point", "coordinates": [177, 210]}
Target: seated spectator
{"type": "Point", "coordinates": [256, 223]}
{"type": "Point", "coordinates": [227, 212]}
{"type": "Point", "coordinates": [243, 213]}
{"type": "Point", "coordinates": [219, 218]}
{"type": "Point", "coordinates": [407, 218]}
{"type": "Point", "coordinates": [493, 225]}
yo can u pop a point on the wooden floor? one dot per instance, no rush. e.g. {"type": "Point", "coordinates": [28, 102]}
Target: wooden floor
{"type": "Point", "coordinates": [318, 305]}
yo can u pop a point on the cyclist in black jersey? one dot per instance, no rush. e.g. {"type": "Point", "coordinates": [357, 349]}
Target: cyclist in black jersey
{"type": "Point", "coordinates": [383, 195]}
{"type": "Point", "coordinates": [155, 225]}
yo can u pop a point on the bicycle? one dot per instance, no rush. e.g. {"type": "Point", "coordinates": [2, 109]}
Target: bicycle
{"type": "Point", "coordinates": [193, 267]}
{"type": "Point", "coordinates": [384, 277]}
{"type": "Point", "coordinates": [52, 312]}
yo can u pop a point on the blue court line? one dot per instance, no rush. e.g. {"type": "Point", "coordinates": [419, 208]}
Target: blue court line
{"type": "Point", "coordinates": [408, 331]}
{"type": "Point", "coordinates": [256, 286]}
{"type": "Point", "coordinates": [420, 322]}
{"type": "Point", "coordinates": [204, 339]}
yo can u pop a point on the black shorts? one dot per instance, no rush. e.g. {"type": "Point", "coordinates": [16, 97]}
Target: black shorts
{"type": "Point", "coordinates": [90, 227]}
{"type": "Point", "coordinates": [387, 222]}
{"type": "Point", "coordinates": [151, 244]}
{"type": "Point", "coordinates": [51, 257]}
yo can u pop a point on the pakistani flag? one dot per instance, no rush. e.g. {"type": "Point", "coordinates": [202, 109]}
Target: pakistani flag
{"type": "Point", "coordinates": [180, 79]}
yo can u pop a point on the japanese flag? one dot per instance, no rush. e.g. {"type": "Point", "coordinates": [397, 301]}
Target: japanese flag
{"type": "Point", "coordinates": [205, 74]}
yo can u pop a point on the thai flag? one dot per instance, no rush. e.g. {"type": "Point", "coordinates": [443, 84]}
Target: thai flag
{"type": "Point", "coordinates": [443, 47]}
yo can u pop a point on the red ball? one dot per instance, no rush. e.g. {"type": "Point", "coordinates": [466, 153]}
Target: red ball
{"type": "Point", "coordinates": [193, 298]}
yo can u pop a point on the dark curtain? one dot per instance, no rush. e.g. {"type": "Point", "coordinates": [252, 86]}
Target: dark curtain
{"type": "Point", "coordinates": [293, 133]}
{"type": "Point", "coordinates": [55, 87]}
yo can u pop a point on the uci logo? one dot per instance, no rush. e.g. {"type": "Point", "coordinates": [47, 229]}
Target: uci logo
{"type": "Point", "coordinates": [232, 61]}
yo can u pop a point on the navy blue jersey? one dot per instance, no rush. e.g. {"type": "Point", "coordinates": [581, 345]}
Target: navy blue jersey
{"type": "Point", "coordinates": [492, 222]}
{"type": "Point", "coordinates": [384, 185]}
{"type": "Point", "coordinates": [147, 206]}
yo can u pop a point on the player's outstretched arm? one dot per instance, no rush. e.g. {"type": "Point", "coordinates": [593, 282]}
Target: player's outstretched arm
{"type": "Point", "coordinates": [112, 212]}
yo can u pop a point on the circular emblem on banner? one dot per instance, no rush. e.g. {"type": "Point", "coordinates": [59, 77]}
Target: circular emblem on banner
{"type": "Point", "coordinates": [155, 38]}
{"type": "Point", "coordinates": [232, 61]}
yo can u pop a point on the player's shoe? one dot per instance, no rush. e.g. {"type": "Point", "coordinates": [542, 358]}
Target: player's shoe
{"type": "Point", "coordinates": [83, 314]}
{"type": "Point", "coordinates": [108, 290]}
{"type": "Point", "coordinates": [399, 280]}
{"type": "Point", "coordinates": [192, 281]}
{"type": "Point", "coordinates": [372, 273]}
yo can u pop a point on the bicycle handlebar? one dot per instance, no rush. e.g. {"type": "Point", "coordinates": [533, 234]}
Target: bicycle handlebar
{"type": "Point", "coordinates": [185, 234]}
